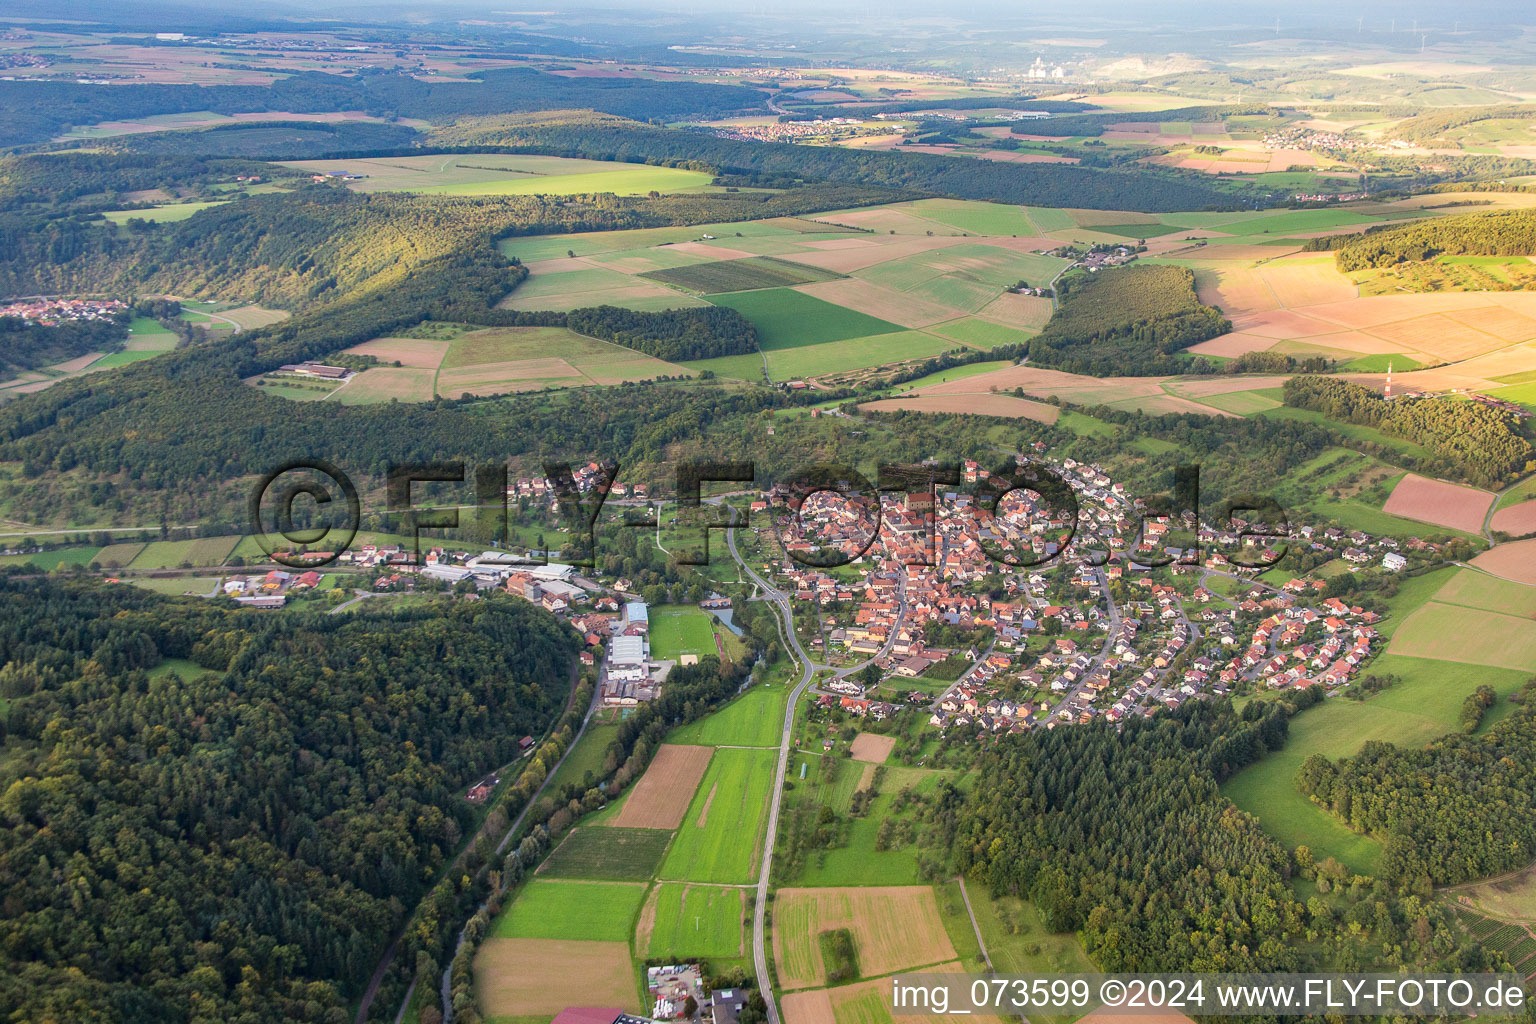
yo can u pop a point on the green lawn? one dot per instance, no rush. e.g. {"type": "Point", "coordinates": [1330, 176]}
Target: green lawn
{"type": "Point", "coordinates": [681, 629]}
{"type": "Point", "coordinates": [177, 586]}
{"type": "Point", "coordinates": [546, 909]}
{"type": "Point", "coordinates": [160, 214]}
{"type": "Point", "coordinates": [850, 354]}
{"type": "Point", "coordinates": [755, 719]}
{"type": "Point", "coordinates": [1018, 942]}
{"type": "Point", "coordinates": [123, 358]}
{"type": "Point", "coordinates": [697, 921]}
{"type": "Point", "coordinates": [586, 756]}
{"type": "Point", "coordinates": [980, 218]}
{"type": "Point", "coordinates": [719, 837]}
{"type": "Point", "coordinates": [629, 180]}
{"type": "Point", "coordinates": [1380, 364]}
{"type": "Point", "coordinates": [955, 373]}
{"type": "Point", "coordinates": [979, 333]}
{"type": "Point", "coordinates": [50, 560]}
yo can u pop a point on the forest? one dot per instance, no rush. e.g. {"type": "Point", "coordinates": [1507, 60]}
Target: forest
{"type": "Point", "coordinates": [1125, 839]}
{"type": "Point", "coordinates": [236, 838]}
{"type": "Point", "coordinates": [1460, 808]}
{"type": "Point", "coordinates": [33, 111]}
{"type": "Point", "coordinates": [1497, 233]}
{"type": "Point", "coordinates": [1125, 321]}
{"type": "Point", "coordinates": [613, 138]}
{"type": "Point", "coordinates": [1474, 442]}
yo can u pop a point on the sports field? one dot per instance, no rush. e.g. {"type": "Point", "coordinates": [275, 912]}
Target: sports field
{"type": "Point", "coordinates": [687, 920]}
{"type": "Point", "coordinates": [755, 719]}
{"type": "Point", "coordinates": [719, 838]}
{"type": "Point", "coordinates": [677, 630]}
{"type": "Point", "coordinates": [548, 909]}
{"type": "Point", "coordinates": [610, 854]}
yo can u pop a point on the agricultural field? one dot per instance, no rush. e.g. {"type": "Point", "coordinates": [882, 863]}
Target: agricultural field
{"type": "Point", "coordinates": [755, 719]}
{"type": "Point", "coordinates": [873, 748]}
{"type": "Point", "coordinates": [694, 921]}
{"type": "Point", "coordinates": [607, 853]}
{"type": "Point", "coordinates": [512, 976]}
{"type": "Point", "coordinates": [718, 840]}
{"type": "Point", "coordinates": [499, 174]}
{"type": "Point", "coordinates": [51, 560]}
{"type": "Point", "coordinates": [663, 795]}
{"type": "Point", "coordinates": [168, 554]}
{"type": "Point", "coordinates": [1423, 705]}
{"type": "Point", "coordinates": [1454, 506]}
{"type": "Point", "coordinates": [894, 928]}
{"type": "Point", "coordinates": [868, 1002]}
{"type": "Point", "coordinates": [740, 275]}
{"type": "Point", "coordinates": [549, 909]}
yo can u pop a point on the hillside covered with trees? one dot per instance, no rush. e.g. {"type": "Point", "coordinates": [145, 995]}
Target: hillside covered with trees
{"type": "Point", "coordinates": [1475, 442]}
{"type": "Point", "coordinates": [1496, 233]}
{"type": "Point", "coordinates": [267, 808]}
{"type": "Point", "coordinates": [1125, 321]}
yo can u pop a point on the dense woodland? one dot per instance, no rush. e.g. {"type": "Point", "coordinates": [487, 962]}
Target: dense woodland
{"type": "Point", "coordinates": [32, 111]}
{"type": "Point", "coordinates": [236, 839]}
{"type": "Point", "coordinates": [1460, 808]}
{"type": "Point", "coordinates": [1125, 838]}
{"type": "Point", "coordinates": [612, 138]}
{"type": "Point", "coordinates": [1125, 321]}
{"type": "Point", "coordinates": [1497, 233]}
{"type": "Point", "coordinates": [1478, 443]}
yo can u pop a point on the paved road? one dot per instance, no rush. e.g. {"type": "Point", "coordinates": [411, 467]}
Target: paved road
{"type": "Point", "coordinates": [780, 601]}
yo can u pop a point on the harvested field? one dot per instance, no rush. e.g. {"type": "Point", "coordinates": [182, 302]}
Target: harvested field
{"type": "Point", "coordinates": [894, 928]}
{"type": "Point", "coordinates": [1285, 323]}
{"type": "Point", "coordinates": [885, 303]}
{"type": "Point", "coordinates": [418, 353]}
{"type": "Point", "coordinates": [381, 384]}
{"type": "Point", "coordinates": [974, 405]}
{"type": "Point", "coordinates": [1304, 280]}
{"type": "Point", "coordinates": [1444, 504]}
{"type": "Point", "coordinates": [514, 977]}
{"type": "Point", "coordinates": [1516, 520]}
{"type": "Point", "coordinates": [1231, 345]}
{"type": "Point", "coordinates": [1472, 636]}
{"type": "Point", "coordinates": [661, 797]}
{"type": "Point", "coordinates": [1513, 561]}
{"type": "Point", "coordinates": [1018, 310]}
{"type": "Point", "coordinates": [867, 746]}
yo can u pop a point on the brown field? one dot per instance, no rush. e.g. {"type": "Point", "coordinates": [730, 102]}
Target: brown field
{"type": "Point", "coordinates": [885, 220]}
{"type": "Point", "coordinates": [421, 353]}
{"type": "Point", "coordinates": [894, 928]}
{"type": "Point", "coordinates": [1236, 290]}
{"type": "Point", "coordinates": [976, 405]}
{"type": "Point", "coordinates": [1516, 520]}
{"type": "Point", "coordinates": [1303, 281]}
{"type": "Point", "coordinates": [1504, 324]}
{"type": "Point", "coordinates": [878, 301]}
{"type": "Point", "coordinates": [832, 244]}
{"type": "Point", "coordinates": [867, 1002]}
{"type": "Point", "coordinates": [1438, 335]}
{"type": "Point", "coordinates": [1513, 561]}
{"type": "Point", "coordinates": [1018, 310]}
{"type": "Point", "coordinates": [529, 977]}
{"type": "Point", "coordinates": [76, 364]}
{"type": "Point", "coordinates": [1162, 404]}
{"type": "Point", "coordinates": [714, 252]}
{"type": "Point", "coordinates": [517, 375]}
{"type": "Point", "coordinates": [869, 747]}
{"type": "Point", "coordinates": [1438, 502]}
{"type": "Point", "coordinates": [1231, 345]}
{"type": "Point", "coordinates": [1449, 632]}
{"type": "Point", "coordinates": [1201, 387]}
{"type": "Point", "coordinates": [661, 797]}
{"type": "Point", "coordinates": [381, 383]}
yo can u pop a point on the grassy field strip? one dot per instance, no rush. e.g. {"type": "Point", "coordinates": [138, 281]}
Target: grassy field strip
{"type": "Point", "coordinates": [718, 839]}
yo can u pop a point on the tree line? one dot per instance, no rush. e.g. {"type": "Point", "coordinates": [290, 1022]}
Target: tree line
{"type": "Point", "coordinates": [1496, 233]}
